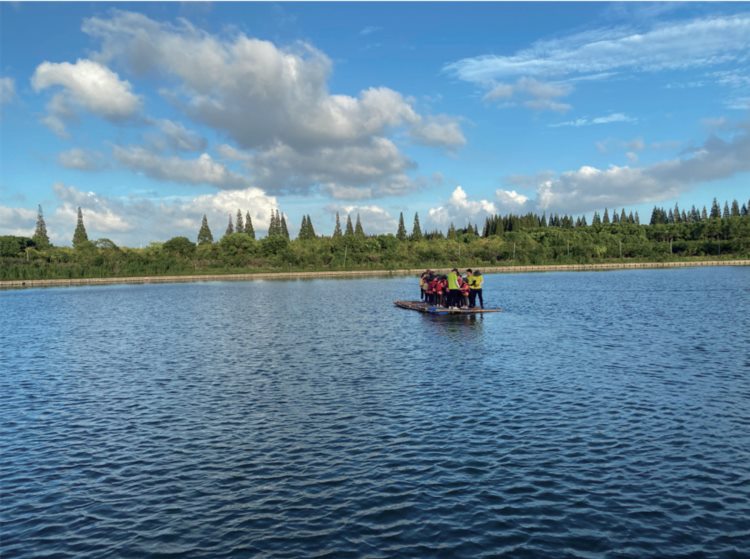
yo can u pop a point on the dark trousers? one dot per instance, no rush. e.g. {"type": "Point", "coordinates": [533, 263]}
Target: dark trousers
{"type": "Point", "coordinates": [473, 298]}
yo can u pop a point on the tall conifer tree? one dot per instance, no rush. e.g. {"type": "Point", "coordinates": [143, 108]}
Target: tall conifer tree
{"type": "Point", "coordinates": [40, 238]}
{"type": "Point", "coordinates": [349, 228]}
{"type": "Point", "coordinates": [240, 227]}
{"type": "Point", "coordinates": [416, 231]}
{"type": "Point", "coordinates": [283, 231]}
{"type": "Point", "coordinates": [605, 217]}
{"type": "Point", "coordinates": [80, 236]}
{"type": "Point", "coordinates": [230, 227]}
{"type": "Point", "coordinates": [358, 231]}
{"type": "Point", "coordinates": [310, 229]}
{"type": "Point", "coordinates": [303, 229]}
{"type": "Point", "coordinates": [204, 235]}
{"type": "Point", "coordinates": [249, 230]}
{"type": "Point", "coordinates": [401, 233]}
{"type": "Point", "coordinates": [337, 228]}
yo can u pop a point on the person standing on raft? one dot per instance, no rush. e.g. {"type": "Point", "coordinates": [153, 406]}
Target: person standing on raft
{"type": "Point", "coordinates": [475, 284]}
{"type": "Point", "coordinates": [454, 290]}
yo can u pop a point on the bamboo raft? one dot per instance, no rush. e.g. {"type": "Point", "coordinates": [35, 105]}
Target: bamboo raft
{"type": "Point", "coordinates": [421, 306]}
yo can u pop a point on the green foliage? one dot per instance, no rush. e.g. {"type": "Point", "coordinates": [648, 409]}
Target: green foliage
{"type": "Point", "coordinates": [41, 239]}
{"type": "Point", "coordinates": [401, 233]}
{"type": "Point", "coordinates": [204, 235]}
{"type": "Point", "coordinates": [179, 246]}
{"type": "Point", "coordinates": [80, 237]}
{"type": "Point", "coordinates": [337, 229]}
{"type": "Point", "coordinates": [249, 229]}
{"type": "Point", "coordinates": [505, 240]}
{"type": "Point", "coordinates": [416, 232]}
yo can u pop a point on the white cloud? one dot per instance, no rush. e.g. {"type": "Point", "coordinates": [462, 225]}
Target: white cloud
{"type": "Point", "coordinates": [439, 131]}
{"type": "Point", "coordinates": [87, 85]}
{"type": "Point", "coordinates": [676, 45]}
{"type": "Point", "coordinates": [460, 210]}
{"type": "Point", "coordinates": [17, 221]}
{"type": "Point", "coordinates": [174, 135]}
{"type": "Point", "coordinates": [7, 90]}
{"type": "Point", "coordinates": [369, 30]}
{"type": "Point", "coordinates": [275, 105]}
{"type": "Point", "coordinates": [375, 220]}
{"type": "Point", "coordinates": [376, 167]}
{"type": "Point", "coordinates": [135, 221]}
{"type": "Point", "coordinates": [590, 188]}
{"type": "Point", "coordinates": [203, 170]}
{"type": "Point", "coordinates": [607, 119]}
{"type": "Point", "coordinates": [81, 159]}
{"type": "Point", "coordinates": [538, 95]}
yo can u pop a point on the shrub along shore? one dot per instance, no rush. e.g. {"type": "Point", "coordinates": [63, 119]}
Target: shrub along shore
{"type": "Point", "coordinates": [15, 284]}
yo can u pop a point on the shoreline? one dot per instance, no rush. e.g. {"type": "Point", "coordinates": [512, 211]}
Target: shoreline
{"type": "Point", "coordinates": [24, 284]}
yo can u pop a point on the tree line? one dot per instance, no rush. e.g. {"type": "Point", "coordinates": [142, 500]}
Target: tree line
{"type": "Point", "coordinates": [504, 239]}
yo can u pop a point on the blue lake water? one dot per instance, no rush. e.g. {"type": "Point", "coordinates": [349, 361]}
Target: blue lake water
{"type": "Point", "coordinates": [601, 415]}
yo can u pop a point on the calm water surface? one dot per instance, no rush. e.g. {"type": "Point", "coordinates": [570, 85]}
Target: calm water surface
{"type": "Point", "coordinates": [601, 415]}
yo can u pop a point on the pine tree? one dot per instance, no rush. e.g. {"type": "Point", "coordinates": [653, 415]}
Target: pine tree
{"type": "Point", "coordinates": [40, 238]}
{"type": "Point", "coordinates": [615, 217]}
{"type": "Point", "coordinates": [676, 213]}
{"type": "Point", "coordinates": [623, 216]}
{"type": "Point", "coordinates": [310, 229]}
{"type": "Point", "coordinates": [303, 228]}
{"type": "Point", "coordinates": [597, 220]}
{"type": "Point", "coordinates": [715, 209]}
{"type": "Point", "coordinates": [80, 236]}
{"type": "Point", "coordinates": [204, 235]}
{"type": "Point", "coordinates": [725, 214]}
{"type": "Point", "coordinates": [735, 208]}
{"type": "Point", "coordinates": [349, 229]}
{"type": "Point", "coordinates": [230, 227]}
{"type": "Point", "coordinates": [358, 231]}
{"type": "Point", "coordinates": [416, 230]}
{"type": "Point", "coordinates": [249, 230]}
{"type": "Point", "coordinates": [637, 219]}
{"type": "Point", "coordinates": [605, 218]}
{"type": "Point", "coordinates": [704, 214]}
{"type": "Point", "coordinates": [337, 229]}
{"type": "Point", "coordinates": [284, 232]}
{"type": "Point", "coordinates": [240, 227]}
{"type": "Point", "coordinates": [452, 232]}
{"type": "Point", "coordinates": [401, 233]}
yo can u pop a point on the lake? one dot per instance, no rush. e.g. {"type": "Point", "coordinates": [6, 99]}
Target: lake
{"type": "Point", "coordinates": [602, 414]}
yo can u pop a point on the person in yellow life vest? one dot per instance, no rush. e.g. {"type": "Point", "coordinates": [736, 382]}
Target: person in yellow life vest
{"type": "Point", "coordinates": [454, 291]}
{"type": "Point", "coordinates": [475, 284]}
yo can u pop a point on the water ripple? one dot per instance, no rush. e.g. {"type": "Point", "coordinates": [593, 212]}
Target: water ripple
{"type": "Point", "coordinates": [601, 415]}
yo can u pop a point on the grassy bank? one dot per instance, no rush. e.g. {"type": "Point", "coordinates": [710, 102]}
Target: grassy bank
{"type": "Point", "coordinates": [15, 284]}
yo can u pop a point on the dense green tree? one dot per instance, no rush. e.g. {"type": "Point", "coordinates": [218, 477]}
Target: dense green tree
{"type": "Point", "coordinates": [40, 238]}
{"type": "Point", "coordinates": [230, 227]}
{"type": "Point", "coordinates": [283, 230]}
{"type": "Point", "coordinates": [240, 224]}
{"type": "Point", "coordinates": [596, 220]}
{"type": "Point", "coordinates": [735, 208]}
{"type": "Point", "coordinates": [179, 246]}
{"type": "Point", "coordinates": [452, 235]}
{"type": "Point", "coordinates": [401, 233]}
{"type": "Point", "coordinates": [725, 214]}
{"type": "Point", "coordinates": [605, 217]}
{"type": "Point", "coordinates": [416, 230]}
{"type": "Point", "coordinates": [204, 234]}
{"type": "Point", "coordinates": [337, 228]}
{"type": "Point", "coordinates": [249, 229]}
{"type": "Point", "coordinates": [715, 210]}
{"type": "Point", "coordinates": [274, 227]}
{"type": "Point", "coordinates": [349, 232]}
{"type": "Point", "coordinates": [358, 231]}
{"type": "Point", "coordinates": [80, 237]}
{"type": "Point", "coordinates": [310, 228]}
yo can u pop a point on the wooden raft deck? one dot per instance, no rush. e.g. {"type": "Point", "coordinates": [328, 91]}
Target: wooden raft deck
{"type": "Point", "coordinates": [432, 309]}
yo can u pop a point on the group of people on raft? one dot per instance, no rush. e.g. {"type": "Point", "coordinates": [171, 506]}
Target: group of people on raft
{"type": "Point", "coordinates": [452, 290]}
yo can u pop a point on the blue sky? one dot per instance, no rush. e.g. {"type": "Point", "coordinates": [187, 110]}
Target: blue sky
{"type": "Point", "coordinates": [148, 115]}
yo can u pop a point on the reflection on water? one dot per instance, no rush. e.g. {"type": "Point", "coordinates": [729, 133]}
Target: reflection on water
{"type": "Point", "coordinates": [601, 414]}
